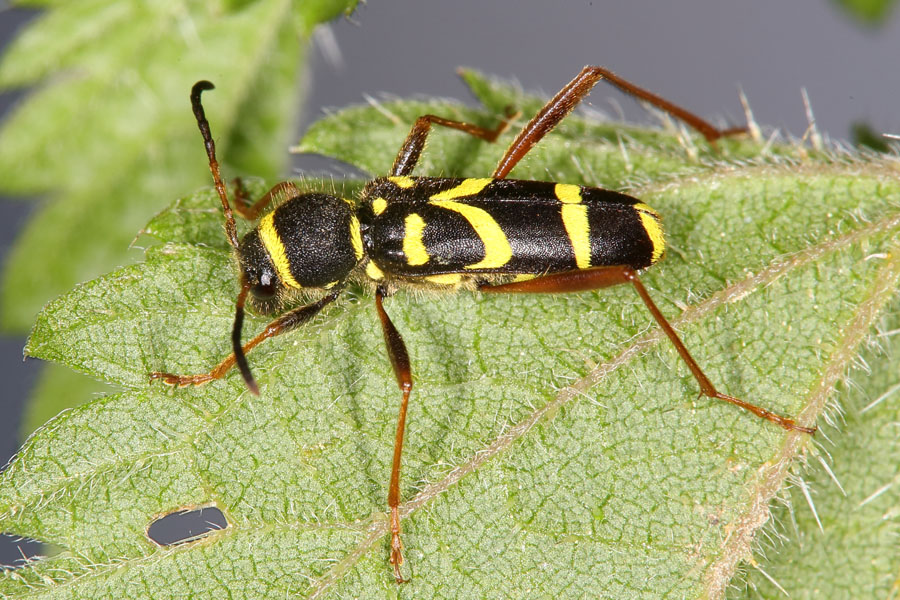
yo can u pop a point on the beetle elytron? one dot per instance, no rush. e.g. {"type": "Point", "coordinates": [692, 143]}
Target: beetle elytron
{"type": "Point", "coordinates": [492, 234]}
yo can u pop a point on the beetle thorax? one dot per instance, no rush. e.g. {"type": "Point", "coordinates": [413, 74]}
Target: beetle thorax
{"type": "Point", "coordinates": [310, 241]}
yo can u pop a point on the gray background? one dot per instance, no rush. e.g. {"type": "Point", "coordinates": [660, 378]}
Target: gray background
{"type": "Point", "coordinates": [695, 52]}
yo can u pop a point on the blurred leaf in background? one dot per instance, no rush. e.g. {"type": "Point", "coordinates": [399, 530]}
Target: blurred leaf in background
{"type": "Point", "coordinates": [863, 136]}
{"type": "Point", "coordinates": [105, 136]}
{"type": "Point", "coordinates": [871, 13]}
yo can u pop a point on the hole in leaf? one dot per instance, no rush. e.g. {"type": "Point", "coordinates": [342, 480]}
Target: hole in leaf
{"type": "Point", "coordinates": [17, 551]}
{"type": "Point", "coordinates": [186, 525]}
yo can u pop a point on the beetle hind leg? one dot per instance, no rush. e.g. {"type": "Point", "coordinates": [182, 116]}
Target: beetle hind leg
{"type": "Point", "coordinates": [558, 107]}
{"type": "Point", "coordinates": [601, 277]}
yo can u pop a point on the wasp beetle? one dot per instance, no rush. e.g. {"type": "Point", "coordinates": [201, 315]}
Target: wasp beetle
{"type": "Point", "coordinates": [490, 234]}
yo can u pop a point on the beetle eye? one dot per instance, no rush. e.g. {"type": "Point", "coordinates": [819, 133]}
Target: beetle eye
{"type": "Point", "coordinates": [263, 292]}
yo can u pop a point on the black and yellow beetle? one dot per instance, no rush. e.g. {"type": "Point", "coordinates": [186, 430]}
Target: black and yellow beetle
{"type": "Point", "coordinates": [492, 234]}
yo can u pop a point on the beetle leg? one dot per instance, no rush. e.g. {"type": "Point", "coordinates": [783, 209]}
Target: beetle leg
{"type": "Point", "coordinates": [568, 98]}
{"type": "Point", "coordinates": [601, 277]}
{"type": "Point", "coordinates": [285, 322]}
{"type": "Point", "coordinates": [278, 194]}
{"type": "Point", "coordinates": [400, 362]}
{"type": "Point", "coordinates": [415, 142]}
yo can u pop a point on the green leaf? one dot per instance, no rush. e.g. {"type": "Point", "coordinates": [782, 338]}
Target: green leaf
{"type": "Point", "coordinates": [619, 155]}
{"type": "Point", "coordinates": [122, 72]}
{"type": "Point", "coordinates": [555, 446]}
{"type": "Point", "coordinates": [868, 12]}
{"type": "Point", "coordinates": [843, 537]}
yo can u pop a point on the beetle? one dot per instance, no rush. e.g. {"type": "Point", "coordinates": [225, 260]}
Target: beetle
{"type": "Point", "coordinates": [492, 234]}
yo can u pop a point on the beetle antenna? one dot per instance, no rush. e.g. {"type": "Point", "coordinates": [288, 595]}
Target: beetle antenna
{"type": "Point", "coordinates": [239, 357]}
{"type": "Point", "coordinates": [203, 124]}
